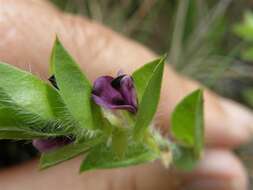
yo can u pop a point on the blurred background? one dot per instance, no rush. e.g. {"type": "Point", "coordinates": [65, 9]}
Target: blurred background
{"type": "Point", "coordinates": [208, 40]}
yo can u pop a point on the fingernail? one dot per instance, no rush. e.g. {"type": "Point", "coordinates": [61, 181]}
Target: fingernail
{"type": "Point", "coordinates": [212, 184]}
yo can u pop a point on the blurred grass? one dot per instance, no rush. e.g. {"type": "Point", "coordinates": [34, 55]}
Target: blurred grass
{"type": "Point", "coordinates": [198, 35]}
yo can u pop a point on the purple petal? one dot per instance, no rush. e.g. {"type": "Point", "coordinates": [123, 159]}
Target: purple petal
{"type": "Point", "coordinates": [107, 93]}
{"type": "Point", "coordinates": [107, 105]}
{"type": "Point", "coordinates": [104, 94]}
{"type": "Point", "coordinates": [128, 91]}
{"type": "Point", "coordinates": [46, 145]}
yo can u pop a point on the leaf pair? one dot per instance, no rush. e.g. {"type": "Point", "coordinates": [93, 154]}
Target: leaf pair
{"type": "Point", "coordinates": [30, 108]}
{"type": "Point", "coordinates": [75, 91]}
{"type": "Point", "coordinates": [27, 105]}
{"type": "Point", "coordinates": [130, 149]}
{"type": "Point", "coordinates": [187, 124]}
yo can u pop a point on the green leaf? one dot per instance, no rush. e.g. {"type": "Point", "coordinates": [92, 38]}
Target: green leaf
{"type": "Point", "coordinates": [14, 133]}
{"type": "Point", "coordinates": [150, 98]}
{"type": "Point", "coordinates": [99, 121]}
{"type": "Point", "coordinates": [67, 152]}
{"type": "Point", "coordinates": [119, 141]}
{"type": "Point", "coordinates": [187, 122]}
{"type": "Point", "coordinates": [142, 76]}
{"type": "Point", "coordinates": [102, 157]}
{"type": "Point", "coordinates": [75, 88]}
{"type": "Point", "coordinates": [29, 104]}
{"type": "Point", "coordinates": [18, 135]}
{"type": "Point", "coordinates": [184, 158]}
{"type": "Point", "coordinates": [16, 118]}
{"type": "Point", "coordinates": [29, 92]}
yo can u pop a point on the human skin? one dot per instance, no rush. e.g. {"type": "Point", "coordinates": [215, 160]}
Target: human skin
{"type": "Point", "coordinates": [28, 29]}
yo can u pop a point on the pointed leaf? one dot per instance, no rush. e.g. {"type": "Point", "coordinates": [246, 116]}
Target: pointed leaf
{"type": "Point", "coordinates": [13, 133]}
{"type": "Point", "coordinates": [99, 121]}
{"type": "Point", "coordinates": [187, 122]}
{"type": "Point", "coordinates": [29, 92]}
{"type": "Point", "coordinates": [75, 88]}
{"type": "Point", "coordinates": [119, 141]}
{"type": "Point", "coordinates": [149, 101]}
{"type": "Point", "coordinates": [14, 117]}
{"type": "Point", "coordinates": [67, 152]}
{"type": "Point", "coordinates": [102, 157]}
{"type": "Point", "coordinates": [184, 158]}
{"type": "Point", "coordinates": [142, 76]}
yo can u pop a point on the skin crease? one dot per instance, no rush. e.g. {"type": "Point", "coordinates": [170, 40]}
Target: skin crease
{"type": "Point", "coordinates": [28, 29]}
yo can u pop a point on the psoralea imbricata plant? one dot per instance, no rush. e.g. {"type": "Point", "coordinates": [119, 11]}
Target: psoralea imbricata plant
{"type": "Point", "coordinates": [109, 121]}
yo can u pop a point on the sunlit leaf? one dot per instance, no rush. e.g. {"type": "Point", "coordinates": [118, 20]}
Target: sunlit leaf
{"type": "Point", "coordinates": [150, 98]}
{"type": "Point", "coordinates": [142, 76]}
{"type": "Point", "coordinates": [14, 116]}
{"type": "Point", "coordinates": [119, 141]}
{"type": "Point", "coordinates": [75, 88]}
{"type": "Point", "coordinates": [187, 122]}
{"type": "Point", "coordinates": [102, 157]}
{"type": "Point", "coordinates": [184, 158]}
{"type": "Point", "coordinates": [29, 92]}
{"type": "Point", "coordinates": [14, 133]}
{"type": "Point", "coordinates": [67, 152]}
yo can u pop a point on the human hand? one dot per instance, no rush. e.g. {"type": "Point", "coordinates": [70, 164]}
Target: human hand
{"type": "Point", "coordinates": [28, 29]}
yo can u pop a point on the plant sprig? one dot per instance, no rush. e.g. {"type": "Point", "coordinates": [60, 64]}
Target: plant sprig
{"type": "Point", "coordinates": [110, 133]}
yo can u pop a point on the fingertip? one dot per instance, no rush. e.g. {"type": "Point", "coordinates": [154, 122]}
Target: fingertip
{"type": "Point", "coordinates": [230, 126]}
{"type": "Point", "coordinates": [219, 170]}
{"type": "Point", "coordinates": [241, 118]}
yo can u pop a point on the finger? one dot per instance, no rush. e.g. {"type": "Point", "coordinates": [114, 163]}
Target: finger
{"type": "Point", "coordinates": [27, 38]}
{"type": "Point", "coordinates": [219, 170]}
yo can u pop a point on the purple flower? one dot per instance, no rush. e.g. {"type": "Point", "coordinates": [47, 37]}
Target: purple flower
{"type": "Point", "coordinates": [115, 93]}
{"type": "Point", "coordinates": [46, 145]}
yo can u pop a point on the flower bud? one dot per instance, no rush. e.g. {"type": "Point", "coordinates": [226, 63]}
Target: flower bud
{"type": "Point", "coordinates": [115, 93]}
{"type": "Point", "coordinates": [46, 145]}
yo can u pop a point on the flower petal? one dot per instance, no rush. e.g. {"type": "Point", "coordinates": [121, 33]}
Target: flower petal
{"type": "Point", "coordinates": [107, 105]}
{"type": "Point", "coordinates": [104, 94]}
{"type": "Point", "coordinates": [107, 93]}
{"type": "Point", "coordinates": [128, 91]}
{"type": "Point", "coordinates": [46, 145]}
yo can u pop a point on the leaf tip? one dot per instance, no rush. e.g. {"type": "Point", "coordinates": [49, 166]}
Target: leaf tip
{"type": "Point", "coordinates": [42, 165]}
{"type": "Point", "coordinates": [84, 168]}
{"type": "Point", "coordinates": [57, 43]}
{"type": "Point", "coordinates": [57, 39]}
